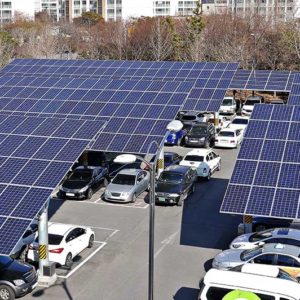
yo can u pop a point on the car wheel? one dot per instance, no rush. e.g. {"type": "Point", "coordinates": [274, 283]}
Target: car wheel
{"type": "Point", "coordinates": [91, 241]}
{"type": "Point", "coordinates": [89, 194]}
{"type": "Point", "coordinates": [105, 182]}
{"type": "Point", "coordinates": [208, 176]}
{"type": "Point", "coordinates": [219, 166]}
{"type": "Point", "coordinates": [260, 227]}
{"type": "Point", "coordinates": [6, 293]}
{"type": "Point", "coordinates": [69, 261]}
{"type": "Point", "coordinates": [133, 198]}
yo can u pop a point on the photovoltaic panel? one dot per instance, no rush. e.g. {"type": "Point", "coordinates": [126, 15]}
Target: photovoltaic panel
{"type": "Point", "coordinates": [294, 96]}
{"type": "Point", "coordinates": [266, 177]}
{"type": "Point", "coordinates": [262, 80]}
{"type": "Point", "coordinates": [33, 161]}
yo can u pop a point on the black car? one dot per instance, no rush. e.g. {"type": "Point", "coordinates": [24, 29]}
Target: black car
{"type": "Point", "coordinates": [16, 279]}
{"type": "Point", "coordinates": [82, 182]}
{"type": "Point", "coordinates": [190, 117]}
{"type": "Point", "coordinates": [263, 223]}
{"type": "Point", "coordinates": [175, 184]}
{"type": "Point", "coordinates": [201, 135]}
{"type": "Point", "coordinates": [170, 159]}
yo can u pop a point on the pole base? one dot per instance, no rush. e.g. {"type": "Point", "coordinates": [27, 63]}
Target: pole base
{"type": "Point", "coordinates": [47, 281]}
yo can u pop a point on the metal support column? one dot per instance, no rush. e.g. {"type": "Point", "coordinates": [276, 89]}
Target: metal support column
{"type": "Point", "coordinates": [216, 119]}
{"type": "Point", "coordinates": [43, 241]}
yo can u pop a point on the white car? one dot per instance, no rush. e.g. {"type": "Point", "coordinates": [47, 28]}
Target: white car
{"type": "Point", "coordinates": [239, 123]}
{"type": "Point", "coordinates": [65, 243]}
{"type": "Point", "coordinates": [249, 104]}
{"type": "Point", "coordinates": [229, 138]}
{"type": "Point", "coordinates": [228, 106]}
{"type": "Point", "coordinates": [204, 161]}
{"type": "Point", "coordinates": [286, 236]}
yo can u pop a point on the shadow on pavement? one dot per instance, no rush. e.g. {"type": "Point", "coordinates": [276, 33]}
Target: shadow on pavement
{"type": "Point", "coordinates": [202, 225]}
{"type": "Point", "coordinates": [54, 206]}
{"type": "Point", "coordinates": [186, 293]}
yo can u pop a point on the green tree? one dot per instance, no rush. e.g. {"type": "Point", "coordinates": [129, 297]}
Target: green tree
{"type": "Point", "coordinates": [7, 46]}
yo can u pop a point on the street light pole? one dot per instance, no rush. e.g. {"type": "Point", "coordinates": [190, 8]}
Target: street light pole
{"type": "Point", "coordinates": [254, 60]}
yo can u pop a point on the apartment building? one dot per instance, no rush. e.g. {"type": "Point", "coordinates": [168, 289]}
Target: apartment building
{"type": "Point", "coordinates": [9, 9]}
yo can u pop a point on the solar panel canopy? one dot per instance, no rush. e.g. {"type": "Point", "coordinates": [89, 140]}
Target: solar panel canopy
{"type": "Point", "coordinates": [35, 155]}
{"type": "Point", "coordinates": [210, 79]}
{"type": "Point", "coordinates": [294, 96]}
{"type": "Point", "coordinates": [263, 80]}
{"type": "Point", "coordinates": [266, 177]}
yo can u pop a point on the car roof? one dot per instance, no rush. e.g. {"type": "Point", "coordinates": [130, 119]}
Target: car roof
{"type": "Point", "coordinates": [286, 232]}
{"type": "Point", "coordinates": [199, 152]}
{"type": "Point", "coordinates": [241, 117]}
{"type": "Point", "coordinates": [177, 169]}
{"type": "Point", "coordinates": [130, 171]}
{"type": "Point", "coordinates": [228, 97]}
{"type": "Point", "coordinates": [191, 113]}
{"type": "Point", "coordinates": [228, 129]}
{"type": "Point", "coordinates": [254, 98]}
{"type": "Point", "coordinates": [282, 248]}
{"type": "Point", "coordinates": [86, 168]}
{"type": "Point", "coordinates": [59, 228]}
{"type": "Point", "coordinates": [169, 153]}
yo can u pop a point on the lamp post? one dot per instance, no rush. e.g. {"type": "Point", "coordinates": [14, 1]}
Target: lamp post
{"type": "Point", "coordinates": [129, 158]}
{"type": "Point", "coordinates": [254, 59]}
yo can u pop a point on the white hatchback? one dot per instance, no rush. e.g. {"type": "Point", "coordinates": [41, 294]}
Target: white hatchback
{"type": "Point", "coordinates": [239, 123]}
{"type": "Point", "coordinates": [229, 138]}
{"type": "Point", "coordinates": [65, 243]}
{"type": "Point", "coordinates": [204, 161]}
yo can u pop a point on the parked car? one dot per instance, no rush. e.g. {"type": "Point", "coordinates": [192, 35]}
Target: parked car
{"type": "Point", "coordinates": [170, 159]}
{"type": "Point", "coordinates": [65, 243]}
{"type": "Point", "coordinates": [204, 161]}
{"type": "Point", "coordinates": [229, 138]}
{"type": "Point", "coordinates": [115, 168]}
{"type": "Point", "coordinates": [263, 223]}
{"type": "Point", "coordinates": [284, 256]}
{"type": "Point", "coordinates": [277, 235]}
{"type": "Point", "coordinates": [223, 122]}
{"type": "Point", "coordinates": [20, 250]}
{"type": "Point", "coordinates": [83, 182]}
{"type": "Point", "coordinates": [239, 123]}
{"type": "Point", "coordinates": [249, 104]}
{"type": "Point", "coordinates": [191, 117]}
{"type": "Point", "coordinates": [200, 135]}
{"type": "Point", "coordinates": [16, 279]}
{"type": "Point", "coordinates": [175, 133]}
{"type": "Point", "coordinates": [228, 106]}
{"type": "Point", "coordinates": [127, 185]}
{"type": "Point", "coordinates": [175, 184]}
{"type": "Point", "coordinates": [277, 101]}
{"type": "Point", "coordinates": [271, 284]}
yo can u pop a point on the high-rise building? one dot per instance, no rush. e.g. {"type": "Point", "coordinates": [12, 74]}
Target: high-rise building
{"type": "Point", "coordinates": [9, 9]}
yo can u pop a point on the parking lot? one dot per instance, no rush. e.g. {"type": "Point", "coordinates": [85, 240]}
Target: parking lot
{"type": "Point", "coordinates": [186, 239]}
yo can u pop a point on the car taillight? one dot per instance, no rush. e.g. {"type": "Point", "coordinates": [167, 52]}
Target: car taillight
{"type": "Point", "coordinates": [57, 251]}
{"type": "Point", "coordinates": [232, 142]}
{"type": "Point", "coordinates": [216, 140]}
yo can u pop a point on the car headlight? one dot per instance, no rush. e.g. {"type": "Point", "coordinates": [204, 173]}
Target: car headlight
{"type": "Point", "coordinates": [107, 193]}
{"type": "Point", "coordinates": [235, 246]}
{"type": "Point", "coordinates": [174, 195]}
{"type": "Point", "coordinates": [83, 189]}
{"type": "Point", "coordinates": [18, 282]}
{"type": "Point", "coordinates": [202, 139]}
{"type": "Point", "coordinates": [125, 194]}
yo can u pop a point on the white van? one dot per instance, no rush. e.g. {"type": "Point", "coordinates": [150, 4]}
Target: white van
{"type": "Point", "coordinates": [268, 284]}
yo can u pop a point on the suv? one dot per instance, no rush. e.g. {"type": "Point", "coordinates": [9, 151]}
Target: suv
{"type": "Point", "coordinates": [249, 104]}
{"type": "Point", "coordinates": [16, 279]}
{"type": "Point", "coordinates": [175, 184]}
{"type": "Point", "coordinates": [201, 135]}
{"type": "Point", "coordinates": [228, 106]}
{"type": "Point", "coordinates": [82, 182]}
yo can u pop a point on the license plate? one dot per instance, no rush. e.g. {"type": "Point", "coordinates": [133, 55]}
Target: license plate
{"type": "Point", "coordinates": [224, 141]}
{"type": "Point", "coordinates": [70, 194]}
{"type": "Point", "coordinates": [161, 199]}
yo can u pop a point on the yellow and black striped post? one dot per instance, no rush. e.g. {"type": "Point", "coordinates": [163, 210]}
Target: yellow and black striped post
{"type": "Point", "coordinates": [160, 162]}
{"type": "Point", "coordinates": [42, 252]}
{"type": "Point", "coordinates": [247, 220]}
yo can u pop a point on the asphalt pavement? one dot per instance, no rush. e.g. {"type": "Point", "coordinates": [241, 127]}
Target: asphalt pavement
{"type": "Point", "coordinates": [186, 240]}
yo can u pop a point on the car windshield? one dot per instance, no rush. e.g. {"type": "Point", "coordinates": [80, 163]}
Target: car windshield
{"type": "Point", "coordinates": [198, 130]}
{"type": "Point", "coordinates": [284, 275]}
{"type": "Point", "coordinates": [226, 133]}
{"type": "Point", "coordinates": [194, 158]}
{"type": "Point", "coordinates": [81, 175]}
{"type": "Point", "coordinates": [168, 158]}
{"type": "Point", "coordinates": [53, 239]}
{"type": "Point", "coordinates": [240, 121]}
{"type": "Point", "coordinates": [251, 102]}
{"type": "Point", "coordinates": [248, 254]}
{"type": "Point", "coordinates": [170, 176]}
{"type": "Point", "coordinates": [188, 118]}
{"type": "Point", "coordinates": [4, 260]}
{"type": "Point", "coordinates": [258, 236]}
{"type": "Point", "coordinates": [227, 102]}
{"type": "Point", "coordinates": [124, 179]}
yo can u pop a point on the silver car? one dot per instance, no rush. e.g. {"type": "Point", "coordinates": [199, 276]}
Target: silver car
{"type": "Point", "coordinates": [127, 185]}
{"type": "Point", "coordinates": [285, 256]}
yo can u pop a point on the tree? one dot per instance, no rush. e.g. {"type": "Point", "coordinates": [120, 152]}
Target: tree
{"type": "Point", "coordinates": [7, 44]}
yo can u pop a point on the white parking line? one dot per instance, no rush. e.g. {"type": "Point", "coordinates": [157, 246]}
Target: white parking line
{"type": "Point", "coordinates": [84, 261]}
{"type": "Point", "coordinates": [113, 204]}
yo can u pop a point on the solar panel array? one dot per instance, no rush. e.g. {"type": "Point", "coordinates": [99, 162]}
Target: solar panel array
{"type": "Point", "coordinates": [266, 177]}
{"type": "Point", "coordinates": [35, 154]}
{"type": "Point", "coordinates": [294, 96]}
{"type": "Point", "coordinates": [262, 80]}
{"type": "Point", "coordinates": [210, 79]}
